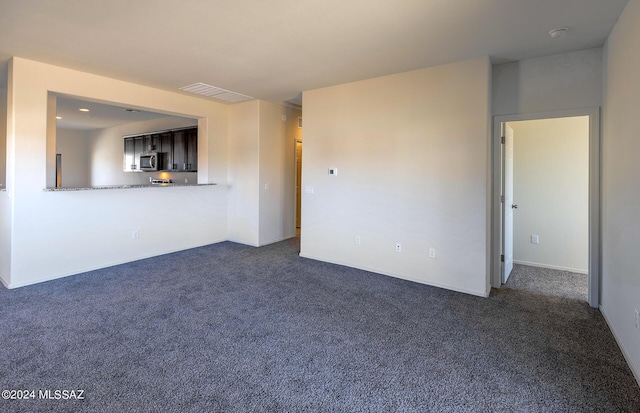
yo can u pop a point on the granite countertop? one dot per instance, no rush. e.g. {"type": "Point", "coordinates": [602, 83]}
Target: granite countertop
{"type": "Point", "coordinates": [92, 188]}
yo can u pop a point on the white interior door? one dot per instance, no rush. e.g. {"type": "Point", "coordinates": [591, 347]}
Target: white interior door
{"type": "Point", "coordinates": [507, 205]}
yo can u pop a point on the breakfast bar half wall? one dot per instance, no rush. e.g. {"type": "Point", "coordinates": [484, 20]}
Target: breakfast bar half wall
{"type": "Point", "coordinates": [51, 234]}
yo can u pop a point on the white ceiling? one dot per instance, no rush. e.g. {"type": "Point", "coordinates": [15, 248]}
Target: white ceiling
{"type": "Point", "coordinates": [275, 49]}
{"type": "Point", "coordinates": [99, 115]}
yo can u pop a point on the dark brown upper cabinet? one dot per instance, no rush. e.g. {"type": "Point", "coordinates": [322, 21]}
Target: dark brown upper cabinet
{"type": "Point", "coordinates": [179, 148]}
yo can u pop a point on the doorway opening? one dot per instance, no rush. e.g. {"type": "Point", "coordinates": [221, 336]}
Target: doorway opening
{"type": "Point", "coordinates": [91, 146]}
{"type": "Point", "coordinates": [58, 170]}
{"type": "Point", "coordinates": [545, 210]}
{"type": "Point", "coordinates": [545, 204]}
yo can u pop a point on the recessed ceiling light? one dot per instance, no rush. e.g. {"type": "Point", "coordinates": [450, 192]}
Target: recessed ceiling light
{"type": "Point", "coordinates": [559, 32]}
{"type": "Point", "coordinates": [58, 117]}
{"type": "Point", "coordinates": [83, 110]}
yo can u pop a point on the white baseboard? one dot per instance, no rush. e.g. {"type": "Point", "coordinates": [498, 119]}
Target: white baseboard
{"type": "Point", "coordinates": [634, 369]}
{"type": "Point", "coordinates": [552, 267]}
{"type": "Point", "coordinates": [483, 294]}
{"type": "Point", "coordinates": [257, 245]}
{"type": "Point", "coordinates": [106, 265]}
{"type": "Point", "coordinates": [243, 242]}
{"type": "Point", "coordinates": [286, 237]}
{"type": "Point", "coordinates": [4, 281]}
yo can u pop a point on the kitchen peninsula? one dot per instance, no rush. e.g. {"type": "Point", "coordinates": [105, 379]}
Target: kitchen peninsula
{"type": "Point", "coordinates": [91, 188]}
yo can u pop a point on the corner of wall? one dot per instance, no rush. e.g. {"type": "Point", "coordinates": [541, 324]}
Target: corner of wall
{"type": "Point", "coordinates": [621, 87]}
{"type": "Point", "coordinates": [243, 153]}
{"type": "Point", "coordinates": [3, 136]}
{"type": "Point", "coordinates": [489, 178]}
{"type": "Point", "coordinates": [5, 281]}
{"type": "Point", "coordinates": [277, 178]}
{"type": "Point", "coordinates": [557, 82]}
{"type": "Point", "coordinates": [5, 238]}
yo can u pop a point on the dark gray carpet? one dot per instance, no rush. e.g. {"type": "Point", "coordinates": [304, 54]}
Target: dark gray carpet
{"type": "Point", "coordinates": [231, 328]}
{"type": "Point", "coordinates": [550, 282]}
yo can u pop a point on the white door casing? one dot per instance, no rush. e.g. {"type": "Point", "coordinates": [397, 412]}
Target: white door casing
{"type": "Point", "coordinates": [594, 194]}
{"type": "Point", "coordinates": [507, 205]}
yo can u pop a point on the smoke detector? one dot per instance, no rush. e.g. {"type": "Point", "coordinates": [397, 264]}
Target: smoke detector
{"type": "Point", "coordinates": [559, 32]}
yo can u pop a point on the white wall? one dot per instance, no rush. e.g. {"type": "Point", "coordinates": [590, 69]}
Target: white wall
{"type": "Point", "coordinates": [261, 172]}
{"type": "Point", "coordinates": [107, 148]}
{"type": "Point", "coordinates": [412, 156]}
{"type": "Point", "coordinates": [243, 174]}
{"type": "Point", "coordinates": [277, 173]}
{"type": "Point", "coordinates": [620, 188]}
{"type": "Point", "coordinates": [73, 145]}
{"type": "Point", "coordinates": [5, 237]}
{"type": "Point", "coordinates": [551, 189]}
{"type": "Point", "coordinates": [567, 84]}
{"type": "Point", "coordinates": [564, 81]}
{"type": "Point", "coordinates": [71, 232]}
{"type": "Point", "coordinates": [5, 203]}
{"type": "Point", "coordinates": [3, 136]}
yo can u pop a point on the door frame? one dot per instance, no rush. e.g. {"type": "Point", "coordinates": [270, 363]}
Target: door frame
{"type": "Point", "coordinates": [296, 184]}
{"type": "Point", "coordinates": [504, 276]}
{"type": "Point", "coordinates": [594, 263]}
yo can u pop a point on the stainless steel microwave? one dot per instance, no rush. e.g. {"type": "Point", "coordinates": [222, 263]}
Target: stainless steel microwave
{"type": "Point", "coordinates": [150, 161]}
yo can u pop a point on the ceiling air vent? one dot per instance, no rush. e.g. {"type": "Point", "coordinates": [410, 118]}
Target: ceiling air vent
{"type": "Point", "coordinates": [215, 92]}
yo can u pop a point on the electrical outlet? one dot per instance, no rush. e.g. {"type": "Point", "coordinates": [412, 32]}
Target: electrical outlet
{"type": "Point", "coordinates": [398, 247]}
{"type": "Point", "coordinates": [535, 239]}
{"type": "Point", "coordinates": [637, 319]}
{"type": "Point", "coordinates": [432, 253]}
{"type": "Point", "coordinates": [135, 234]}
{"type": "Point", "coordinates": [357, 239]}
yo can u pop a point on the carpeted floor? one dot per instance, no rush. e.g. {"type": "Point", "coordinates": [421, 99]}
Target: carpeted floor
{"type": "Point", "coordinates": [231, 328]}
{"type": "Point", "coordinates": [549, 282]}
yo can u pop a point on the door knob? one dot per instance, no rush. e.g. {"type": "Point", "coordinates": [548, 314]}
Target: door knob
{"type": "Point", "coordinates": [514, 206]}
